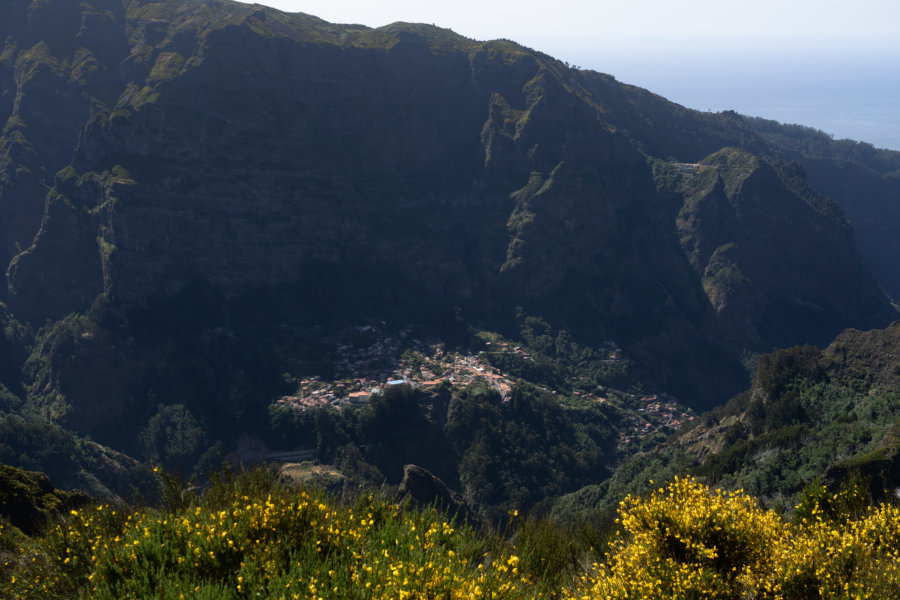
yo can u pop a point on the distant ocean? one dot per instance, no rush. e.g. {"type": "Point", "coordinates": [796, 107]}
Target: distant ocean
{"type": "Point", "coordinates": [844, 95]}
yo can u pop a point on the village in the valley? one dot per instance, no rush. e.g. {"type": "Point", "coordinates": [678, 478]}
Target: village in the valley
{"type": "Point", "coordinates": [366, 369]}
{"type": "Point", "coordinates": [378, 360]}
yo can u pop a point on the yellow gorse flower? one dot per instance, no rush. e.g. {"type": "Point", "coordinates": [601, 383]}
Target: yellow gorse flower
{"type": "Point", "coordinates": [682, 541]}
{"type": "Point", "coordinates": [686, 540]}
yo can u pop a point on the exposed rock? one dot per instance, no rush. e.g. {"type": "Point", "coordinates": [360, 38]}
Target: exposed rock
{"type": "Point", "coordinates": [763, 244]}
{"type": "Point", "coordinates": [421, 486]}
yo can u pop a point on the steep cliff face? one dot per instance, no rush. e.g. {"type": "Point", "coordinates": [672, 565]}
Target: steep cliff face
{"type": "Point", "coordinates": [871, 201]}
{"type": "Point", "coordinates": [863, 180]}
{"type": "Point", "coordinates": [326, 153]}
{"type": "Point", "coordinates": [154, 145]}
{"type": "Point", "coordinates": [763, 243]}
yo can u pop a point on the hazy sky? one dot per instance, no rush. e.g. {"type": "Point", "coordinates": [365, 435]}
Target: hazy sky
{"type": "Point", "coordinates": [599, 22]}
{"type": "Point", "coordinates": [782, 59]}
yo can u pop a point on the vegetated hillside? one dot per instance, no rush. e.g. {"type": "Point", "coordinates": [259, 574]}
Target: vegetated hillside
{"type": "Point", "coordinates": [812, 416]}
{"type": "Point", "coordinates": [29, 502]}
{"type": "Point", "coordinates": [252, 534]}
{"type": "Point", "coordinates": [196, 196]}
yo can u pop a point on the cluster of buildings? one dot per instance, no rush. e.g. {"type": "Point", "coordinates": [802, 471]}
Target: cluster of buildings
{"type": "Point", "coordinates": [506, 347]}
{"type": "Point", "coordinates": [687, 167]}
{"type": "Point", "coordinates": [381, 360]}
{"type": "Point", "coordinates": [654, 413]}
{"type": "Point", "coordinates": [369, 361]}
{"type": "Point", "coordinates": [435, 366]}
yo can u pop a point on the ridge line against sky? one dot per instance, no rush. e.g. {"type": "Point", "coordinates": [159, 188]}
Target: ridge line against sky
{"type": "Point", "coordinates": [827, 64]}
{"type": "Point", "coordinates": [799, 22]}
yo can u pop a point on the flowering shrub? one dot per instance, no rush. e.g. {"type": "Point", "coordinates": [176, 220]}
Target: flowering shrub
{"type": "Point", "coordinates": [281, 546]}
{"type": "Point", "coordinates": [686, 541]}
{"type": "Point", "coordinates": [683, 541]}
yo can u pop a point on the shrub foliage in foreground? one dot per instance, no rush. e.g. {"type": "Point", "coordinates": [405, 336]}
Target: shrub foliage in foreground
{"type": "Point", "coordinates": [261, 540]}
{"type": "Point", "coordinates": [686, 541]}
{"type": "Point", "coordinates": [252, 538]}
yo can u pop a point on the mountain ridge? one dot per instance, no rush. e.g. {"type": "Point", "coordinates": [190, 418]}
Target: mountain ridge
{"type": "Point", "coordinates": [190, 187]}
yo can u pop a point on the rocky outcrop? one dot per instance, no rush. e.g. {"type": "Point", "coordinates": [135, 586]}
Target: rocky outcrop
{"type": "Point", "coordinates": [423, 488]}
{"type": "Point", "coordinates": [764, 244]}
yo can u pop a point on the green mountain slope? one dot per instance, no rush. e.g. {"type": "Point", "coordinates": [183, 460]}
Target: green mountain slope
{"type": "Point", "coordinates": [812, 416]}
{"type": "Point", "coordinates": [196, 195]}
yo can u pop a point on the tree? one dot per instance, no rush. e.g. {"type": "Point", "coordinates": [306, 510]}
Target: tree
{"type": "Point", "coordinates": [173, 438]}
